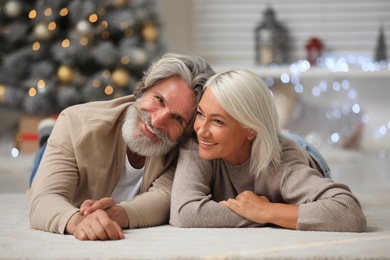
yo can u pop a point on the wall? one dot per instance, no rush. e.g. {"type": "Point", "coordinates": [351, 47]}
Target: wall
{"type": "Point", "coordinates": [222, 31]}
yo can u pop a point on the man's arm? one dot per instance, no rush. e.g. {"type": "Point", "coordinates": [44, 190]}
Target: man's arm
{"type": "Point", "coordinates": [54, 183]}
{"type": "Point", "coordinates": [152, 207]}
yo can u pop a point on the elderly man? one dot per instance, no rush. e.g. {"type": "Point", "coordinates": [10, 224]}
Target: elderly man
{"type": "Point", "coordinates": [109, 165]}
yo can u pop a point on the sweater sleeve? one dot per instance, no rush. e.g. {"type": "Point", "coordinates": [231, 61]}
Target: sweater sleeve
{"type": "Point", "coordinates": [151, 208]}
{"type": "Point", "coordinates": [55, 181]}
{"type": "Point", "coordinates": [192, 205]}
{"type": "Point", "coordinates": [323, 204]}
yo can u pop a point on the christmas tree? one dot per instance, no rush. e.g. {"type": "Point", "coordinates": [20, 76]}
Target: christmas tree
{"type": "Point", "coordinates": [54, 54]}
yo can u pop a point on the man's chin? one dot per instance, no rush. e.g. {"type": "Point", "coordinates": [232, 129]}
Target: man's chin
{"type": "Point", "coordinates": [149, 148]}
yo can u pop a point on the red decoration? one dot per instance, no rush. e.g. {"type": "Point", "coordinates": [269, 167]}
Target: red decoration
{"type": "Point", "coordinates": [314, 49]}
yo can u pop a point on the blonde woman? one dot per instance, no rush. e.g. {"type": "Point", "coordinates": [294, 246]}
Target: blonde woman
{"type": "Point", "coordinates": [242, 171]}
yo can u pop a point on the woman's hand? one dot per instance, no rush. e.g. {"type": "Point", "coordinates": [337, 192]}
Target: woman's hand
{"type": "Point", "coordinates": [259, 209]}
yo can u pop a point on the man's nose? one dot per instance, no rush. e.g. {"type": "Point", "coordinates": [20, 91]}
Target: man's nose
{"type": "Point", "coordinates": [160, 117]}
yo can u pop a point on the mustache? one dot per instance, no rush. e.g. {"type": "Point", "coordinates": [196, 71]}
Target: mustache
{"type": "Point", "coordinates": [146, 119]}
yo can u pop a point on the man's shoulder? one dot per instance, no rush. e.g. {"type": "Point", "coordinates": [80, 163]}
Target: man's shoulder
{"type": "Point", "coordinates": [105, 104]}
{"type": "Point", "coordinates": [104, 110]}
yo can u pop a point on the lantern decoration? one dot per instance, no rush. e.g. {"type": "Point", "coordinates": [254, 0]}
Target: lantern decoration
{"type": "Point", "coordinates": [271, 40]}
{"type": "Point", "coordinates": [381, 50]}
{"type": "Point", "coordinates": [314, 49]}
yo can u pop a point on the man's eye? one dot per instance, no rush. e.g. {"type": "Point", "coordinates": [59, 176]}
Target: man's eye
{"type": "Point", "coordinates": [178, 119]}
{"type": "Point", "coordinates": [159, 99]}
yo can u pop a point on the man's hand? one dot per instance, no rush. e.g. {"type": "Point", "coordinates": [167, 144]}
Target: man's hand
{"type": "Point", "coordinates": [98, 220]}
{"type": "Point", "coordinates": [115, 212]}
{"type": "Point", "coordinates": [98, 226]}
{"type": "Point", "coordinates": [90, 206]}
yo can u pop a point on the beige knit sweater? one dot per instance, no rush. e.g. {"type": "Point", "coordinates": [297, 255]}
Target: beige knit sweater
{"type": "Point", "coordinates": [199, 185]}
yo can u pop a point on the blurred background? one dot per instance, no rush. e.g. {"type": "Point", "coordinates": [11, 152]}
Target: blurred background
{"type": "Point", "coordinates": [326, 63]}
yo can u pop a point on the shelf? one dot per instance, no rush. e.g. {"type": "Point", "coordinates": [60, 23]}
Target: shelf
{"type": "Point", "coordinates": [314, 72]}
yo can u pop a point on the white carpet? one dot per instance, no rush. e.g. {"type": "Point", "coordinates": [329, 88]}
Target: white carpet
{"type": "Point", "coordinates": [19, 241]}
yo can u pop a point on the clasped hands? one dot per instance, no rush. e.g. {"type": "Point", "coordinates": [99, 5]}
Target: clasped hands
{"type": "Point", "coordinates": [98, 220]}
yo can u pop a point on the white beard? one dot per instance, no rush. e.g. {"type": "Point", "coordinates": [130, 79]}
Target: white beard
{"type": "Point", "coordinates": [137, 141]}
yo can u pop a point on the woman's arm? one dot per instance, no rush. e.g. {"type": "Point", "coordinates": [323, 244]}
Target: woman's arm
{"type": "Point", "coordinates": [323, 204]}
{"type": "Point", "coordinates": [259, 209]}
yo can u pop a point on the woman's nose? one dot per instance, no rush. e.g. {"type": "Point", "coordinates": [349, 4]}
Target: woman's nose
{"type": "Point", "coordinates": [201, 129]}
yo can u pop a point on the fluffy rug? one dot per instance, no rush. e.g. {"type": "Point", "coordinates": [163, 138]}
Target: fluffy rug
{"type": "Point", "coordinates": [19, 241]}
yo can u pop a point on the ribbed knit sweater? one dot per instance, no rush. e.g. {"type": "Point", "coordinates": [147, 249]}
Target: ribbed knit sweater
{"type": "Point", "coordinates": [199, 185]}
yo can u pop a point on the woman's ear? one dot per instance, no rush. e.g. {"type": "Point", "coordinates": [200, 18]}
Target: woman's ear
{"type": "Point", "coordinates": [251, 134]}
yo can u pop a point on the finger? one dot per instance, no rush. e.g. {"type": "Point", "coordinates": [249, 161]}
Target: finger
{"type": "Point", "coordinates": [103, 203]}
{"type": "Point", "coordinates": [80, 235]}
{"type": "Point", "coordinates": [92, 226]}
{"type": "Point", "coordinates": [86, 204]}
{"type": "Point", "coordinates": [230, 203]}
{"type": "Point", "coordinates": [114, 232]}
{"type": "Point", "coordinates": [111, 229]}
{"type": "Point", "coordinates": [245, 194]}
{"type": "Point", "coordinates": [85, 232]}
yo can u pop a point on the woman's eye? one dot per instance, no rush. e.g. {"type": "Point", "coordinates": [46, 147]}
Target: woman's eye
{"type": "Point", "coordinates": [198, 113]}
{"type": "Point", "coordinates": [218, 122]}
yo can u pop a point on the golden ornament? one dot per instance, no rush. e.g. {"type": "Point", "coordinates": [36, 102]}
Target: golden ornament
{"type": "Point", "coordinates": [120, 77]}
{"type": "Point", "coordinates": [119, 3]}
{"type": "Point", "coordinates": [42, 32]}
{"type": "Point", "coordinates": [149, 32]}
{"type": "Point", "coordinates": [65, 74]}
{"type": "Point", "coordinates": [2, 93]}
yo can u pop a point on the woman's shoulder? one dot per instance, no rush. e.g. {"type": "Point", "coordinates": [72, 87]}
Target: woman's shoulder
{"type": "Point", "coordinates": [190, 144]}
{"type": "Point", "coordinates": [291, 151]}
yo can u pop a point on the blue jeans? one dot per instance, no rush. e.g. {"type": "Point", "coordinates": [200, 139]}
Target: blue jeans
{"type": "Point", "coordinates": [37, 161]}
{"type": "Point", "coordinates": [310, 149]}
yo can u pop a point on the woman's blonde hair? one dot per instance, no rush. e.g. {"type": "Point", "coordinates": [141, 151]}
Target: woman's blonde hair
{"type": "Point", "coordinates": [248, 100]}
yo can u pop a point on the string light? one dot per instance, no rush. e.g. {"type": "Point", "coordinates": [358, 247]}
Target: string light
{"type": "Point", "coordinates": [32, 14]}
{"type": "Point", "coordinates": [84, 40]}
{"type": "Point", "coordinates": [103, 25]}
{"type": "Point", "coordinates": [41, 83]}
{"type": "Point", "coordinates": [47, 12]}
{"type": "Point", "coordinates": [65, 43]}
{"type": "Point", "coordinates": [36, 46]}
{"type": "Point", "coordinates": [96, 83]}
{"type": "Point", "coordinates": [32, 92]}
{"type": "Point", "coordinates": [341, 64]}
{"type": "Point", "coordinates": [93, 18]}
{"type": "Point", "coordinates": [125, 60]}
{"type": "Point", "coordinates": [52, 26]}
{"type": "Point", "coordinates": [64, 12]}
{"type": "Point", "coordinates": [105, 35]}
{"type": "Point", "coordinates": [108, 90]}
{"type": "Point", "coordinates": [106, 74]}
